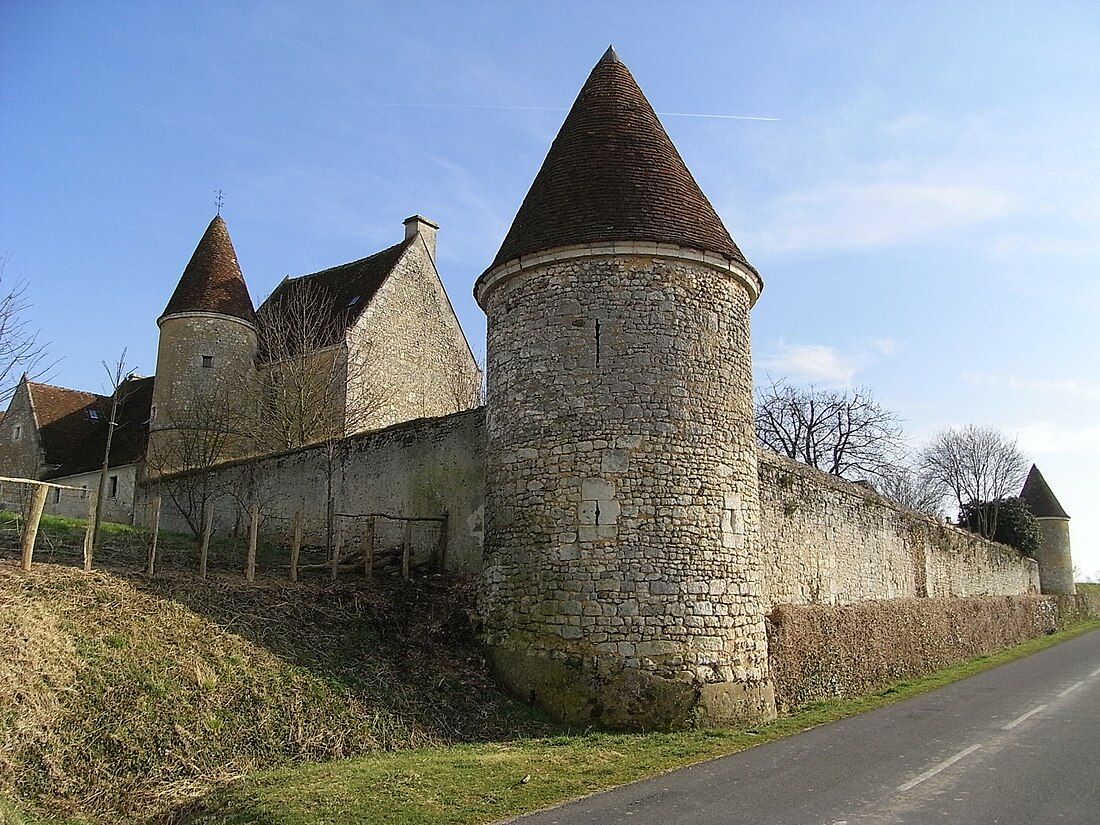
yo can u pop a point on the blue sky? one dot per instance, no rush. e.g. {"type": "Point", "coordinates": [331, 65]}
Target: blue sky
{"type": "Point", "coordinates": [924, 208]}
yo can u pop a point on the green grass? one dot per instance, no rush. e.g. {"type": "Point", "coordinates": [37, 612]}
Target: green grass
{"type": "Point", "coordinates": [479, 783]}
{"type": "Point", "coordinates": [123, 547]}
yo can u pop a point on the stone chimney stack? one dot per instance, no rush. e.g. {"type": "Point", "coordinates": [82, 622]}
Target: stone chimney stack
{"type": "Point", "coordinates": [419, 225]}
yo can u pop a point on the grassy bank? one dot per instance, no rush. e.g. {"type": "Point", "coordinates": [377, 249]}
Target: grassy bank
{"type": "Point", "coordinates": [126, 698]}
{"type": "Point", "coordinates": [481, 783]}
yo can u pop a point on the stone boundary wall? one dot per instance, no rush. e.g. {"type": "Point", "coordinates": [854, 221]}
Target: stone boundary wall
{"type": "Point", "coordinates": [822, 651]}
{"type": "Point", "coordinates": [418, 469]}
{"type": "Point", "coordinates": [828, 541]}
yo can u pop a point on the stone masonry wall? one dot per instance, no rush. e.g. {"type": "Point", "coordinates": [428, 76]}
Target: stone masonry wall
{"type": "Point", "coordinates": [828, 541]}
{"type": "Point", "coordinates": [408, 356]}
{"type": "Point", "coordinates": [621, 581]}
{"type": "Point", "coordinates": [420, 468]}
{"type": "Point", "coordinates": [75, 503]}
{"type": "Point", "coordinates": [20, 451]}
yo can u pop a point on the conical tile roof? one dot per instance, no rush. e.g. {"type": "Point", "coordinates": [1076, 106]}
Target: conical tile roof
{"type": "Point", "coordinates": [1039, 497]}
{"type": "Point", "coordinates": [612, 174]}
{"type": "Point", "coordinates": [212, 281]}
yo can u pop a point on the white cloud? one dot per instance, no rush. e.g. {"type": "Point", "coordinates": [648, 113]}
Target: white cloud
{"type": "Point", "coordinates": [823, 363]}
{"type": "Point", "coordinates": [1045, 438]}
{"type": "Point", "coordinates": [812, 362]}
{"type": "Point", "coordinates": [1069, 387]}
{"type": "Point", "coordinates": [874, 215]}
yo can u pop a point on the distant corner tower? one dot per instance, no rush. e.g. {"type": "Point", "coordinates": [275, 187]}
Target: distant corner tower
{"type": "Point", "coordinates": [621, 568]}
{"type": "Point", "coordinates": [1055, 559]}
{"type": "Point", "coordinates": [207, 344]}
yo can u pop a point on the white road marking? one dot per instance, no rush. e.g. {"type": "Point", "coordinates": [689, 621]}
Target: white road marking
{"type": "Point", "coordinates": [1095, 673]}
{"type": "Point", "coordinates": [1020, 719]}
{"type": "Point", "coordinates": [935, 769]}
{"type": "Point", "coordinates": [1070, 689]}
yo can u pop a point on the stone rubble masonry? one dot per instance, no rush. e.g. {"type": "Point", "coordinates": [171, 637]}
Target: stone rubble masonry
{"type": "Point", "coordinates": [412, 356]}
{"type": "Point", "coordinates": [828, 541]}
{"type": "Point", "coordinates": [417, 469]}
{"type": "Point", "coordinates": [622, 579]}
{"type": "Point", "coordinates": [1055, 559]}
{"type": "Point", "coordinates": [190, 399]}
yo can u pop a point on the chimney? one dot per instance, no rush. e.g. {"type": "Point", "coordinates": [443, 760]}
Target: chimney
{"type": "Point", "coordinates": [419, 225]}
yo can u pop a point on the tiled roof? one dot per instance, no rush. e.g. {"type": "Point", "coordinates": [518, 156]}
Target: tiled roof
{"type": "Point", "coordinates": [65, 418]}
{"type": "Point", "coordinates": [1039, 497]}
{"type": "Point", "coordinates": [612, 174]}
{"type": "Point", "coordinates": [82, 452]}
{"type": "Point", "coordinates": [212, 281]}
{"type": "Point", "coordinates": [344, 291]}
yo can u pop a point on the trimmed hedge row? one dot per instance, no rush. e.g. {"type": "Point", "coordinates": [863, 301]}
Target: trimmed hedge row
{"type": "Point", "coordinates": [821, 651]}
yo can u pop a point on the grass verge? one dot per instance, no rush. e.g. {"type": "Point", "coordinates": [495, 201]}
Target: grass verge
{"type": "Point", "coordinates": [480, 783]}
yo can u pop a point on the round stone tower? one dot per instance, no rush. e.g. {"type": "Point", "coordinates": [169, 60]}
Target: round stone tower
{"type": "Point", "coordinates": [621, 571]}
{"type": "Point", "coordinates": [207, 348]}
{"type": "Point", "coordinates": [1054, 557]}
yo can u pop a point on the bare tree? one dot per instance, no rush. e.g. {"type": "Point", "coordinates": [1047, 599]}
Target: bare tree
{"type": "Point", "coordinates": [20, 350]}
{"type": "Point", "coordinates": [845, 433]}
{"type": "Point", "coordinates": [909, 488]}
{"type": "Point", "coordinates": [181, 449]}
{"type": "Point", "coordinates": [975, 465]}
{"type": "Point", "coordinates": [312, 386]}
{"type": "Point", "coordinates": [117, 375]}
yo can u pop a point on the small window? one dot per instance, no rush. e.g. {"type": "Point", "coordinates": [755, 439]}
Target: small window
{"type": "Point", "coordinates": [112, 487]}
{"type": "Point", "coordinates": [83, 491]}
{"type": "Point", "coordinates": [153, 413]}
{"type": "Point", "coordinates": [56, 495]}
{"type": "Point", "coordinates": [208, 360]}
{"type": "Point", "coordinates": [17, 432]}
{"type": "Point", "coordinates": [93, 415]}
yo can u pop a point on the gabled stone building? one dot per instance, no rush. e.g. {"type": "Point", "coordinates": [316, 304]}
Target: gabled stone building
{"type": "Point", "coordinates": [58, 434]}
{"type": "Point", "coordinates": [384, 347]}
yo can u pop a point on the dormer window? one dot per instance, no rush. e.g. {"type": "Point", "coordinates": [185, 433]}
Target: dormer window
{"type": "Point", "coordinates": [208, 361]}
{"type": "Point", "coordinates": [354, 301]}
{"type": "Point", "coordinates": [93, 415]}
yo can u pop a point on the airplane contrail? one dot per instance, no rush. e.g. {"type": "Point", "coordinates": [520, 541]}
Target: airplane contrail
{"type": "Point", "coordinates": [560, 109]}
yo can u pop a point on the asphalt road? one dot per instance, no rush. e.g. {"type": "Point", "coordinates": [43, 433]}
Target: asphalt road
{"type": "Point", "coordinates": [1016, 744]}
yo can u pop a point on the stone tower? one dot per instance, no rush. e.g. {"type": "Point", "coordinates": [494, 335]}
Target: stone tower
{"type": "Point", "coordinates": [207, 346]}
{"type": "Point", "coordinates": [1055, 559]}
{"type": "Point", "coordinates": [621, 570]}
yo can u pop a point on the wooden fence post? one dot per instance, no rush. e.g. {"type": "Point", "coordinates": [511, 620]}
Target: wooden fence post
{"type": "Point", "coordinates": [406, 549]}
{"type": "Point", "coordinates": [207, 527]}
{"type": "Point", "coordinates": [296, 545]}
{"type": "Point", "coordinates": [368, 550]}
{"type": "Point", "coordinates": [89, 534]}
{"type": "Point", "coordinates": [30, 527]}
{"type": "Point", "coordinates": [253, 539]}
{"type": "Point", "coordinates": [337, 547]}
{"type": "Point", "coordinates": [151, 569]}
{"type": "Point", "coordinates": [441, 546]}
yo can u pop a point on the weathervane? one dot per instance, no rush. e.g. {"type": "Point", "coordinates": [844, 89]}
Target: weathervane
{"type": "Point", "coordinates": [219, 199]}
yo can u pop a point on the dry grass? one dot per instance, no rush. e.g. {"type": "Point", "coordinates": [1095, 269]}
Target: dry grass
{"type": "Point", "coordinates": [130, 695]}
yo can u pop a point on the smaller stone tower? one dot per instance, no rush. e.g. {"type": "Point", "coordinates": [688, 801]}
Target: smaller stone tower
{"type": "Point", "coordinates": [1055, 559]}
{"type": "Point", "coordinates": [207, 350]}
